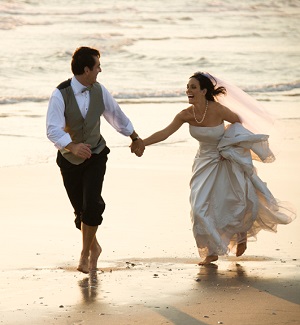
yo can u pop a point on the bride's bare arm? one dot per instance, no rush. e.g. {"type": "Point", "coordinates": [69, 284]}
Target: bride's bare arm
{"type": "Point", "coordinates": [166, 132]}
{"type": "Point", "coordinates": [228, 115]}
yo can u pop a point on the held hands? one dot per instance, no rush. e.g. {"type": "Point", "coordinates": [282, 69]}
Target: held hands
{"type": "Point", "coordinates": [137, 147]}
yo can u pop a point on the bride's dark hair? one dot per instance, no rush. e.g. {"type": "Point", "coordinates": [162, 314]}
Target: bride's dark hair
{"type": "Point", "coordinates": [209, 83]}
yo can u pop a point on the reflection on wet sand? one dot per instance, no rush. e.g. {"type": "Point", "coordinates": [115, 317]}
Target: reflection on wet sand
{"type": "Point", "coordinates": [171, 290]}
{"type": "Point", "coordinates": [89, 288]}
{"type": "Point", "coordinates": [142, 281]}
{"type": "Point", "coordinates": [277, 280]}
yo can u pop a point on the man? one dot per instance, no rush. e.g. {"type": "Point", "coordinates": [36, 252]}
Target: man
{"type": "Point", "coordinates": [73, 125]}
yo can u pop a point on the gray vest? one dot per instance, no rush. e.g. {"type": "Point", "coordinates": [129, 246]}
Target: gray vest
{"type": "Point", "coordinates": [83, 130]}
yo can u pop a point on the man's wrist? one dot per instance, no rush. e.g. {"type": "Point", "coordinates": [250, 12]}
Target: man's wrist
{"type": "Point", "coordinates": [135, 138]}
{"type": "Point", "coordinates": [69, 146]}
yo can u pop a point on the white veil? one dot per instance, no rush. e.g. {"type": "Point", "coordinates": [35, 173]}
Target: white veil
{"type": "Point", "coordinates": [253, 115]}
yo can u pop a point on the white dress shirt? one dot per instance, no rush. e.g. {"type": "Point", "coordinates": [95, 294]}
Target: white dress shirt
{"type": "Point", "coordinates": [56, 122]}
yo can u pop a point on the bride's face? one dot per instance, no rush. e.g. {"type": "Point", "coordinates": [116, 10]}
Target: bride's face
{"type": "Point", "coordinates": [193, 91]}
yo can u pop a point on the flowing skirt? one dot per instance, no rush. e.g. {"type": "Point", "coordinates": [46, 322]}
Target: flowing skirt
{"type": "Point", "coordinates": [229, 202]}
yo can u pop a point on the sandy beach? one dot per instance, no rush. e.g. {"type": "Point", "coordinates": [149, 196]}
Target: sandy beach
{"type": "Point", "coordinates": [148, 272]}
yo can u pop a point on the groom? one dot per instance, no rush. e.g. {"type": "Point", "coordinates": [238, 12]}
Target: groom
{"type": "Point", "coordinates": [73, 125]}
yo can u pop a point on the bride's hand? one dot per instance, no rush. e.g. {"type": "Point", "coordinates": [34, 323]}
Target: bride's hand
{"type": "Point", "coordinates": [138, 147]}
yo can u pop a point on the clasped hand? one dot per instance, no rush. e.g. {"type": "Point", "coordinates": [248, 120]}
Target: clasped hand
{"type": "Point", "coordinates": [137, 147]}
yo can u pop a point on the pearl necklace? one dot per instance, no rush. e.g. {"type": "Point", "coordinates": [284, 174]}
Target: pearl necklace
{"type": "Point", "coordinates": [203, 117]}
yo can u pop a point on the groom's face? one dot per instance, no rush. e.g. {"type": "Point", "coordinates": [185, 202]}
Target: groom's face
{"type": "Point", "coordinates": [92, 74]}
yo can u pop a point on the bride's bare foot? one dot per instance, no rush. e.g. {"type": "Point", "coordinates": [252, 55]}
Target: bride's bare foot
{"type": "Point", "coordinates": [94, 255]}
{"type": "Point", "coordinates": [241, 247]}
{"type": "Point", "coordinates": [208, 260]}
{"type": "Point", "coordinates": [83, 265]}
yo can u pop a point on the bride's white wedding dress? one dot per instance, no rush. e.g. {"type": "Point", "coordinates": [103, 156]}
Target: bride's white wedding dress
{"type": "Point", "coordinates": [229, 202]}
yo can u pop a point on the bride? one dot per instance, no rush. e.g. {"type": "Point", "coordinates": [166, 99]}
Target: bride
{"type": "Point", "coordinates": [229, 202]}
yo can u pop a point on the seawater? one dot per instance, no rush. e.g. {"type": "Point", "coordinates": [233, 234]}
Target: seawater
{"type": "Point", "coordinates": [148, 51]}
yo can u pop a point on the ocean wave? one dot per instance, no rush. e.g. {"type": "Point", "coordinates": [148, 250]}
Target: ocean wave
{"type": "Point", "coordinates": [292, 95]}
{"type": "Point", "coordinates": [170, 95]}
{"type": "Point", "coordinates": [149, 94]}
{"type": "Point", "coordinates": [22, 99]}
{"type": "Point", "coordinates": [241, 35]}
{"type": "Point", "coordinates": [162, 38]}
{"type": "Point", "coordinates": [282, 87]}
{"type": "Point", "coordinates": [11, 22]}
{"type": "Point", "coordinates": [175, 93]}
{"type": "Point", "coordinates": [8, 23]}
{"type": "Point", "coordinates": [121, 97]}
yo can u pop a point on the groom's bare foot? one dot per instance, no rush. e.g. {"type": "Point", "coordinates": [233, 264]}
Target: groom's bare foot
{"type": "Point", "coordinates": [94, 255]}
{"type": "Point", "coordinates": [208, 260]}
{"type": "Point", "coordinates": [241, 247]}
{"type": "Point", "coordinates": [83, 265]}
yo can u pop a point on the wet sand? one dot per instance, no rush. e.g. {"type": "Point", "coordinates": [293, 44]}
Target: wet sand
{"type": "Point", "coordinates": [148, 272]}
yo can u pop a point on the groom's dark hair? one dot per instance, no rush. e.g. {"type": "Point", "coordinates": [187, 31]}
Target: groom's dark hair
{"type": "Point", "coordinates": [83, 57]}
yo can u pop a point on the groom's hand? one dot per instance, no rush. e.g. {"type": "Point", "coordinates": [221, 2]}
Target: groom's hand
{"type": "Point", "coordinates": [81, 150]}
{"type": "Point", "coordinates": [137, 147]}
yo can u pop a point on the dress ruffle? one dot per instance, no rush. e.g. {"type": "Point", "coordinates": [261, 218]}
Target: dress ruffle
{"type": "Point", "coordinates": [229, 202]}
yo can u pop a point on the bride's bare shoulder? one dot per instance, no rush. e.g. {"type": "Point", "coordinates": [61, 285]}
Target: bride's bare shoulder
{"type": "Point", "coordinates": [215, 105]}
{"type": "Point", "coordinates": [185, 112]}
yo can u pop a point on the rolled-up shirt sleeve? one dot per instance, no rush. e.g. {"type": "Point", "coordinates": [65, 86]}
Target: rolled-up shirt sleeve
{"type": "Point", "coordinates": [55, 121]}
{"type": "Point", "coordinates": [114, 115]}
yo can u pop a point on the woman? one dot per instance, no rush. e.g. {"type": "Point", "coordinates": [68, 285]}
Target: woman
{"type": "Point", "coordinates": [228, 201]}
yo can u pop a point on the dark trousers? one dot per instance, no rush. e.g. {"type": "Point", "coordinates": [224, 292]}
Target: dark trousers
{"type": "Point", "coordinates": [83, 184]}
